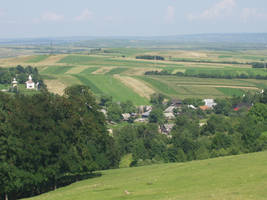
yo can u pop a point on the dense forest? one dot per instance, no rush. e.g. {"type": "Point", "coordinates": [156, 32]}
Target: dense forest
{"type": "Point", "coordinates": [47, 139]}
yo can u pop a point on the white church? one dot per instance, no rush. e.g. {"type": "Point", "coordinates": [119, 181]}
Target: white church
{"type": "Point", "coordinates": [30, 84]}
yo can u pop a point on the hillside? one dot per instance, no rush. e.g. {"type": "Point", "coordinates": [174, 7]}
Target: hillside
{"type": "Point", "coordinates": [235, 177]}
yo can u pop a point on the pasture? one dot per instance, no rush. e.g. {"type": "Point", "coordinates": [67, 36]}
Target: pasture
{"type": "Point", "coordinates": [116, 72]}
{"type": "Point", "coordinates": [234, 177]}
{"type": "Point", "coordinates": [187, 87]}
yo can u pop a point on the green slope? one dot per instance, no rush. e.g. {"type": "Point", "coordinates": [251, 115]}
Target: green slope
{"type": "Point", "coordinates": [107, 84]}
{"type": "Point", "coordinates": [235, 177]}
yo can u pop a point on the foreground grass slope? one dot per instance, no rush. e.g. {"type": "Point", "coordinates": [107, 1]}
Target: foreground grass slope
{"type": "Point", "coordinates": [232, 178]}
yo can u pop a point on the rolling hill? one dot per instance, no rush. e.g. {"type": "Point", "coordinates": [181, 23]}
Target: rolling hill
{"type": "Point", "coordinates": [233, 178]}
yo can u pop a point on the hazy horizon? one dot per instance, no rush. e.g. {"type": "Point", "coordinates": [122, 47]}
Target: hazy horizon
{"type": "Point", "coordinates": [119, 18]}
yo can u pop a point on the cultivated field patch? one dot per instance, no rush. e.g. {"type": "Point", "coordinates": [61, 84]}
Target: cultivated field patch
{"type": "Point", "coordinates": [116, 71]}
{"type": "Point", "coordinates": [37, 59]}
{"type": "Point", "coordinates": [102, 70]}
{"type": "Point", "coordinates": [231, 91]}
{"type": "Point", "coordinates": [106, 84]}
{"type": "Point", "coordinates": [55, 86]}
{"type": "Point", "coordinates": [56, 70]}
{"type": "Point", "coordinates": [52, 60]}
{"type": "Point", "coordinates": [136, 85]}
{"type": "Point", "coordinates": [77, 70]}
{"type": "Point", "coordinates": [89, 70]}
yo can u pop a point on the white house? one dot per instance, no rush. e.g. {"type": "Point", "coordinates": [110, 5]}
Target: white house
{"type": "Point", "coordinates": [209, 102]}
{"type": "Point", "coordinates": [30, 84]}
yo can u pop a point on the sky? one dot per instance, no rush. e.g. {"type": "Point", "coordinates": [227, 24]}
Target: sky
{"type": "Point", "coordinates": [61, 18]}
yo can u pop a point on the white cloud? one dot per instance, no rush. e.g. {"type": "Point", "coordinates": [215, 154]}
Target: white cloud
{"type": "Point", "coordinates": [253, 13]}
{"type": "Point", "coordinates": [85, 15]}
{"type": "Point", "coordinates": [219, 10]}
{"type": "Point", "coordinates": [51, 16]}
{"type": "Point", "coordinates": [170, 14]}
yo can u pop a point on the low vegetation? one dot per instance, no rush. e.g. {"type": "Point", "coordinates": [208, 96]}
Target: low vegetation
{"type": "Point", "coordinates": [234, 177]}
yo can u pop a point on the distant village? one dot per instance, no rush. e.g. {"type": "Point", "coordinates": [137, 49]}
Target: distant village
{"type": "Point", "coordinates": [169, 113]}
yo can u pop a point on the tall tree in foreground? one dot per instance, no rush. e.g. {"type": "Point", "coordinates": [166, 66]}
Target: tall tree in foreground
{"type": "Point", "coordinates": [46, 137]}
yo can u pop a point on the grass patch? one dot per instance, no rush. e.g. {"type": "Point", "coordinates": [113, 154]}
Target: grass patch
{"type": "Point", "coordinates": [231, 91]}
{"type": "Point", "coordinates": [48, 77]}
{"type": "Point", "coordinates": [89, 70]}
{"type": "Point", "coordinates": [106, 84]}
{"type": "Point", "coordinates": [56, 70]}
{"type": "Point", "coordinates": [234, 177]}
{"type": "Point", "coordinates": [116, 71]}
{"type": "Point", "coordinates": [89, 83]}
{"type": "Point", "coordinates": [158, 85]}
{"type": "Point", "coordinates": [38, 58]}
{"type": "Point", "coordinates": [4, 86]}
{"type": "Point", "coordinates": [126, 161]}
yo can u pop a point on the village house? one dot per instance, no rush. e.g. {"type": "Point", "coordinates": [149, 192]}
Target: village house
{"type": "Point", "coordinates": [204, 108]}
{"type": "Point", "coordinates": [126, 116]}
{"type": "Point", "coordinates": [166, 128]}
{"type": "Point", "coordinates": [210, 103]}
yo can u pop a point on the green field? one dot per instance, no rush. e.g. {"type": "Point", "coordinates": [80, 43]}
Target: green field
{"type": "Point", "coordinates": [231, 91]}
{"type": "Point", "coordinates": [105, 84]}
{"type": "Point", "coordinates": [241, 177]}
{"type": "Point", "coordinates": [117, 71]}
{"type": "Point", "coordinates": [158, 85]}
{"type": "Point", "coordinates": [38, 58]}
{"type": "Point", "coordinates": [89, 70]}
{"type": "Point", "coordinates": [185, 87]}
{"type": "Point", "coordinates": [103, 71]}
{"type": "Point", "coordinates": [56, 70]}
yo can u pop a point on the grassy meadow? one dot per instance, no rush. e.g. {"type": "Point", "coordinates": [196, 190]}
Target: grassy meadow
{"type": "Point", "coordinates": [116, 72]}
{"type": "Point", "coordinates": [232, 178]}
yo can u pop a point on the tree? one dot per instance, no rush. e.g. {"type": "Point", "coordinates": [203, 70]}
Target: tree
{"type": "Point", "coordinates": [223, 106]}
{"type": "Point", "coordinates": [114, 113]}
{"type": "Point", "coordinates": [156, 116]}
{"type": "Point", "coordinates": [157, 99]}
{"type": "Point", "coordinates": [128, 107]}
{"type": "Point", "coordinates": [45, 137]}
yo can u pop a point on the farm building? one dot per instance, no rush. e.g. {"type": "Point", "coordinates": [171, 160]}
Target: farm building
{"type": "Point", "coordinates": [169, 116]}
{"type": "Point", "coordinates": [204, 108]}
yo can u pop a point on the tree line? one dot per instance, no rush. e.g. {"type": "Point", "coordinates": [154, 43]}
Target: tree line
{"type": "Point", "coordinates": [150, 57]}
{"type": "Point", "coordinates": [47, 140]}
{"type": "Point", "coordinates": [209, 74]}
